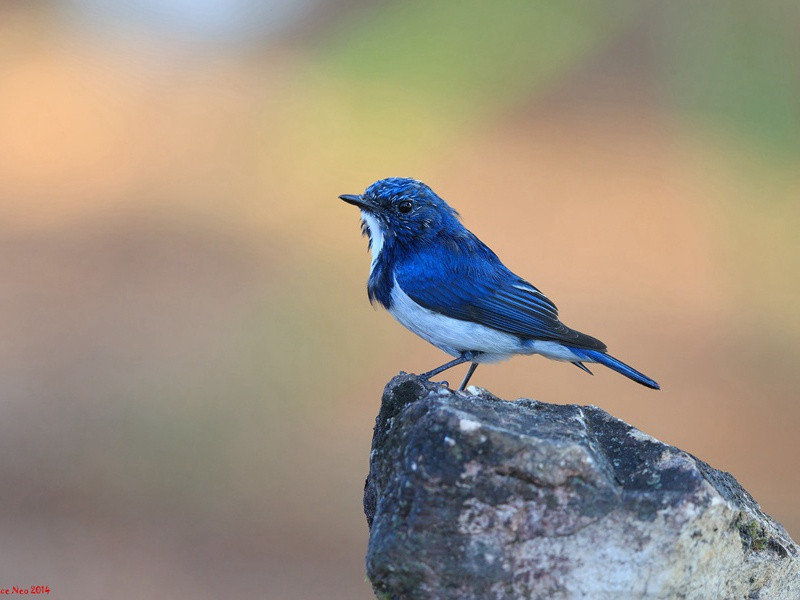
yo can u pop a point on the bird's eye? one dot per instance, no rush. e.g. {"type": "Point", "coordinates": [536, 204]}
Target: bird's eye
{"type": "Point", "coordinates": [404, 207]}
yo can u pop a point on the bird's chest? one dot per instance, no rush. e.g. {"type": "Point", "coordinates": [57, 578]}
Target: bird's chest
{"type": "Point", "coordinates": [391, 261]}
{"type": "Point", "coordinates": [381, 281]}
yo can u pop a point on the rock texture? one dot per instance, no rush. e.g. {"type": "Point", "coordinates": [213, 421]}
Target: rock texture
{"type": "Point", "coordinates": [469, 496]}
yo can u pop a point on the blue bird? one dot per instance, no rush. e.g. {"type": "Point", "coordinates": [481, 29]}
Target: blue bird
{"type": "Point", "coordinates": [441, 282]}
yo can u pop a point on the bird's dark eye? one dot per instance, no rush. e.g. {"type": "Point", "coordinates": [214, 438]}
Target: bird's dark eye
{"type": "Point", "coordinates": [404, 207]}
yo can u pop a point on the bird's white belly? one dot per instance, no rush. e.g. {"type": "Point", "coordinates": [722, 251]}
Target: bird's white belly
{"type": "Point", "coordinates": [455, 336]}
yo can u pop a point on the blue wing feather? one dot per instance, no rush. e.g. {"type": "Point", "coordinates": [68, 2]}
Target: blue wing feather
{"type": "Point", "coordinates": [479, 288]}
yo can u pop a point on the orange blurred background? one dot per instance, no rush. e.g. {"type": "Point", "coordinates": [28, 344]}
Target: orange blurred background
{"type": "Point", "coordinates": [190, 367]}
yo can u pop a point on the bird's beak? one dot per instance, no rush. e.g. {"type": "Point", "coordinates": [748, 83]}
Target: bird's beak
{"type": "Point", "coordinates": [356, 200]}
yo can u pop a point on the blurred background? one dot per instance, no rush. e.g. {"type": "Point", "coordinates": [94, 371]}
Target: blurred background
{"type": "Point", "coordinates": [190, 367]}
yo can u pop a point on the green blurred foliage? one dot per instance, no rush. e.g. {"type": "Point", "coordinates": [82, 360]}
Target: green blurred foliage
{"type": "Point", "coordinates": [735, 65]}
{"type": "Point", "coordinates": [469, 56]}
{"type": "Point", "coordinates": [409, 77]}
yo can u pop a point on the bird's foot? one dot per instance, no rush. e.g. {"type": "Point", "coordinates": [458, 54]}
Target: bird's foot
{"type": "Point", "coordinates": [427, 377]}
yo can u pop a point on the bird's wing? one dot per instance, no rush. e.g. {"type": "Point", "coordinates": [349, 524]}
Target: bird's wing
{"type": "Point", "coordinates": [467, 281]}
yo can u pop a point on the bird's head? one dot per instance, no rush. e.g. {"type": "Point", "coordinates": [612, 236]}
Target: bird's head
{"type": "Point", "coordinates": [402, 209]}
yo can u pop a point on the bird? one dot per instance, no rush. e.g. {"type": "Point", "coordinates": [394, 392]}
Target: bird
{"type": "Point", "coordinates": [442, 283]}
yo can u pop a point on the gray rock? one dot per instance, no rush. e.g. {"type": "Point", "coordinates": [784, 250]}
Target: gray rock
{"type": "Point", "coordinates": [469, 496]}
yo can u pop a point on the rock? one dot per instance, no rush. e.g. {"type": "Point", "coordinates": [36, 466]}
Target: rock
{"type": "Point", "coordinates": [469, 496]}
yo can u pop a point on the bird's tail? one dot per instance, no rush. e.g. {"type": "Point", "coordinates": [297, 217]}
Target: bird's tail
{"type": "Point", "coordinates": [616, 365]}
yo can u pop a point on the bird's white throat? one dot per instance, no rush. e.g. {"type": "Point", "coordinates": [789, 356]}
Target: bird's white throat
{"type": "Point", "coordinates": [375, 236]}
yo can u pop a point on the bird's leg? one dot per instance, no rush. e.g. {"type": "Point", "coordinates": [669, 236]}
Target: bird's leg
{"type": "Point", "coordinates": [471, 370]}
{"type": "Point", "coordinates": [463, 357]}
